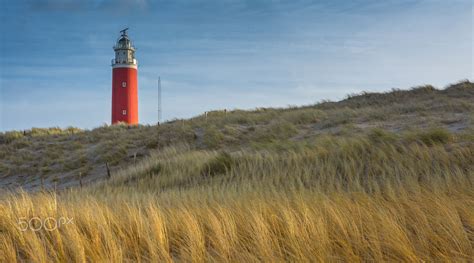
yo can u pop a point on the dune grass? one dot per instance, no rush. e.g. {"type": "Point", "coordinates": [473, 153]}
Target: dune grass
{"type": "Point", "coordinates": [376, 177]}
{"type": "Point", "coordinates": [299, 227]}
{"type": "Point", "coordinates": [54, 151]}
{"type": "Point", "coordinates": [335, 198]}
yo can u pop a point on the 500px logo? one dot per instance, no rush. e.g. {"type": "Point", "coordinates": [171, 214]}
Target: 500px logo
{"type": "Point", "coordinates": [48, 223]}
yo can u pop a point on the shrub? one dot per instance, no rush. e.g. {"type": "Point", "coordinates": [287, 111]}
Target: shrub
{"type": "Point", "coordinates": [422, 89]}
{"type": "Point", "coordinates": [4, 169]}
{"type": "Point", "coordinates": [304, 116]}
{"type": "Point", "coordinates": [72, 130]}
{"type": "Point", "coordinates": [45, 131]}
{"type": "Point", "coordinates": [378, 135]}
{"type": "Point", "coordinates": [156, 169]}
{"type": "Point", "coordinates": [75, 162]}
{"type": "Point", "coordinates": [231, 131]}
{"type": "Point", "coordinates": [21, 143]}
{"type": "Point", "coordinates": [152, 143]}
{"type": "Point", "coordinates": [338, 117]}
{"type": "Point", "coordinates": [115, 155]}
{"type": "Point", "coordinates": [222, 163]}
{"type": "Point", "coordinates": [45, 170]}
{"type": "Point", "coordinates": [213, 137]}
{"type": "Point", "coordinates": [84, 170]}
{"type": "Point", "coordinates": [377, 114]}
{"type": "Point", "coordinates": [277, 130]}
{"type": "Point", "coordinates": [10, 136]}
{"type": "Point", "coordinates": [435, 136]}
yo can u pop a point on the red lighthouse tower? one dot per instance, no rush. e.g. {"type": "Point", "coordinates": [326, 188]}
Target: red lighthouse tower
{"type": "Point", "coordinates": [124, 82]}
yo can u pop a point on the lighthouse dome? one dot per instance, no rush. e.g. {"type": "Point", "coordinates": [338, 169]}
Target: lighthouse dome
{"type": "Point", "coordinates": [124, 43]}
{"type": "Point", "coordinates": [124, 50]}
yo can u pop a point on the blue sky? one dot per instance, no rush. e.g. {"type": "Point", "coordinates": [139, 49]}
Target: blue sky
{"type": "Point", "coordinates": [55, 54]}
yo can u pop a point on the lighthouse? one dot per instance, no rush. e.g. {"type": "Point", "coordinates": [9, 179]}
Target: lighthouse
{"type": "Point", "coordinates": [124, 82]}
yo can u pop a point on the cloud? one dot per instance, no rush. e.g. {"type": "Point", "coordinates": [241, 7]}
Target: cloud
{"type": "Point", "coordinates": [88, 5]}
{"type": "Point", "coordinates": [59, 5]}
{"type": "Point", "coordinates": [124, 5]}
{"type": "Point", "coordinates": [227, 53]}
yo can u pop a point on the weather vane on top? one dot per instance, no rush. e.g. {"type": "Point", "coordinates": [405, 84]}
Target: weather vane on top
{"type": "Point", "coordinates": [124, 31]}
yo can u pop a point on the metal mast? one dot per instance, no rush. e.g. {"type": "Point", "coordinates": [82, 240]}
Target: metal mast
{"type": "Point", "coordinates": [159, 100]}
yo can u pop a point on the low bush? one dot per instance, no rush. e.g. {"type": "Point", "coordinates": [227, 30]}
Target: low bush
{"type": "Point", "coordinates": [277, 130]}
{"type": "Point", "coordinates": [304, 116]}
{"type": "Point", "coordinates": [213, 137]}
{"type": "Point", "coordinates": [10, 136]}
{"type": "Point", "coordinates": [378, 135]}
{"type": "Point", "coordinates": [21, 143]}
{"type": "Point", "coordinates": [435, 136]}
{"type": "Point", "coordinates": [222, 163]}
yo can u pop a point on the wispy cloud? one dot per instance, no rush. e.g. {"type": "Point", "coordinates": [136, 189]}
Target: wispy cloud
{"type": "Point", "coordinates": [88, 5]}
{"type": "Point", "coordinates": [229, 53]}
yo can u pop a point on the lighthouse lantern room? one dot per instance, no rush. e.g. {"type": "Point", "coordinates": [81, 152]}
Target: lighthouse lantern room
{"type": "Point", "coordinates": [124, 82]}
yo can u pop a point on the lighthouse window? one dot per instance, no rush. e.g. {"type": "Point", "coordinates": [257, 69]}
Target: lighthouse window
{"type": "Point", "coordinates": [124, 84]}
{"type": "Point", "coordinates": [124, 112]}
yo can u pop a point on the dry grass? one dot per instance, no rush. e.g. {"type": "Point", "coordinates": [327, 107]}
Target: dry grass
{"type": "Point", "coordinates": [349, 199]}
{"type": "Point", "coordinates": [300, 227]}
{"type": "Point", "coordinates": [301, 185]}
{"type": "Point", "coordinates": [53, 152]}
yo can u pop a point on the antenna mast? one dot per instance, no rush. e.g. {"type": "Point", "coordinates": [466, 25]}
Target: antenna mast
{"type": "Point", "coordinates": [124, 31]}
{"type": "Point", "coordinates": [159, 100]}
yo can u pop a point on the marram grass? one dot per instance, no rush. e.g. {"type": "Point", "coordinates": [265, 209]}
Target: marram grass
{"type": "Point", "coordinates": [373, 178]}
{"type": "Point", "coordinates": [335, 199]}
{"type": "Point", "coordinates": [299, 228]}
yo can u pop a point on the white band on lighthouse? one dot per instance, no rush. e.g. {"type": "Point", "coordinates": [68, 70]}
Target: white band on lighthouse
{"type": "Point", "coordinates": [124, 66]}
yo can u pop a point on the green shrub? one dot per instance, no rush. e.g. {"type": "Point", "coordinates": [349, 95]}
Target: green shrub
{"type": "Point", "coordinates": [152, 143]}
{"type": "Point", "coordinates": [378, 135]}
{"type": "Point", "coordinates": [304, 116]}
{"type": "Point", "coordinates": [277, 130]}
{"type": "Point", "coordinates": [156, 169]}
{"type": "Point", "coordinates": [377, 114]}
{"type": "Point", "coordinates": [44, 131]}
{"type": "Point", "coordinates": [21, 143]}
{"type": "Point", "coordinates": [77, 161]}
{"type": "Point", "coordinates": [45, 170]}
{"type": "Point", "coordinates": [422, 89]}
{"type": "Point", "coordinates": [435, 136]}
{"type": "Point", "coordinates": [231, 131]}
{"type": "Point", "coordinates": [10, 136]}
{"type": "Point", "coordinates": [213, 137]}
{"type": "Point", "coordinates": [84, 170]}
{"type": "Point", "coordinates": [222, 163]}
{"type": "Point", "coordinates": [72, 130]}
{"type": "Point", "coordinates": [115, 155]}
{"type": "Point", "coordinates": [4, 170]}
{"type": "Point", "coordinates": [339, 117]}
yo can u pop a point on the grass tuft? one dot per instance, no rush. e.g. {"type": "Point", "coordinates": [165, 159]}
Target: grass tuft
{"type": "Point", "coordinates": [220, 164]}
{"type": "Point", "coordinates": [435, 136]}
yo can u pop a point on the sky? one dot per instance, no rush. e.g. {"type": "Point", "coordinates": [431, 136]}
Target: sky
{"type": "Point", "coordinates": [221, 54]}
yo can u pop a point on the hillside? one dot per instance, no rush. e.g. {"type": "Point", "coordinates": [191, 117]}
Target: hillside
{"type": "Point", "coordinates": [374, 177]}
{"type": "Point", "coordinates": [61, 156]}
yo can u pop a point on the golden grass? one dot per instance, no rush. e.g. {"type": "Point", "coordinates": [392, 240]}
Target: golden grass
{"type": "Point", "coordinates": [334, 199]}
{"type": "Point", "coordinates": [300, 227]}
{"type": "Point", "coordinates": [308, 184]}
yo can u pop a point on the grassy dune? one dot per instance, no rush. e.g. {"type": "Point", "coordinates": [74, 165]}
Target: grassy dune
{"type": "Point", "coordinates": [305, 227]}
{"type": "Point", "coordinates": [272, 186]}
